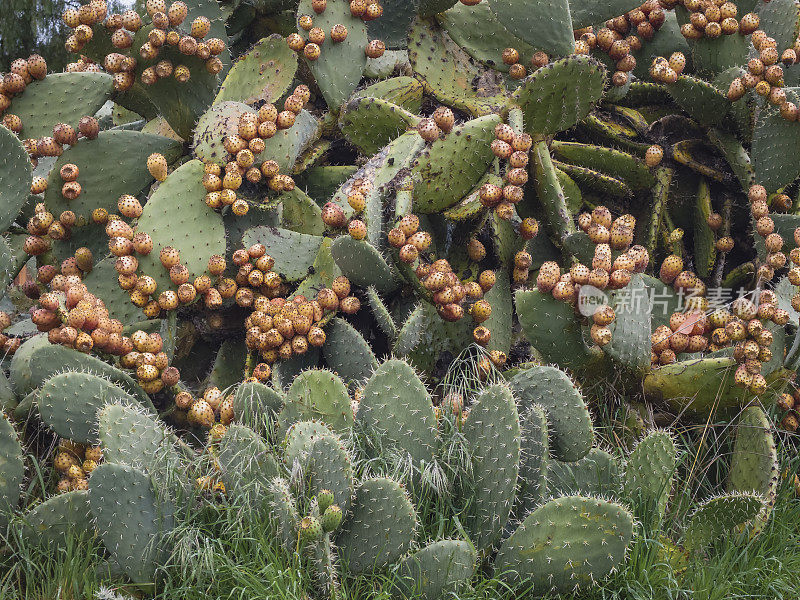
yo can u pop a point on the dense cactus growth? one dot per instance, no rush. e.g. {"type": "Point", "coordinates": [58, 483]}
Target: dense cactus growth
{"type": "Point", "coordinates": [359, 266]}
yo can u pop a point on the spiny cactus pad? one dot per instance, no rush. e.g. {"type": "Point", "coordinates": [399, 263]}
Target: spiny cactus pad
{"type": "Point", "coordinates": [263, 74]}
{"type": "Point", "coordinates": [649, 472]}
{"type": "Point", "coordinates": [51, 522]}
{"type": "Point", "coordinates": [397, 412]}
{"type": "Point", "coordinates": [492, 431]}
{"type": "Point", "coordinates": [317, 395]}
{"type": "Point", "coordinates": [69, 403]}
{"type": "Point", "coordinates": [719, 516]}
{"type": "Point", "coordinates": [566, 544]}
{"type": "Point", "coordinates": [347, 353]}
{"type": "Point", "coordinates": [380, 527]}
{"type": "Point", "coordinates": [12, 470]}
{"type": "Point", "coordinates": [15, 177]}
{"type": "Point", "coordinates": [544, 25]}
{"type": "Point", "coordinates": [569, 423]}
{"type": "Point", "coordinates": [329, 468]}
{"type": "Point", "coordinates": [131, 519]}
{"type": "Point", "coordinates": [246, 465]}
{"type": "Point", "coordinates": [596, 474]}
{"type": "Point", "coordinates": [438, 569]}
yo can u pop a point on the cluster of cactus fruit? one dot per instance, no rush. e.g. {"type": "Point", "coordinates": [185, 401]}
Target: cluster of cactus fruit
{"type": "Point", "coordinates": [246, 281]}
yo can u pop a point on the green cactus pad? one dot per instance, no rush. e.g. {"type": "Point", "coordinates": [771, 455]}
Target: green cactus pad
{"type": "Point", "coordinates": [779, 20]}
{"type": "Point", "coordinates": [438, 570]}
{"type": "Point", "coordinates": [754, 460]}
{"type": "Point", "coordinates": [585, 14]}
{"type": "Point", "coordinates": [103, 283]}
{"type": "Point", "coordinates": [132, 520]}
{"type": "Point", "coordinates": [392, 27]}
{"type": "Point", "coordinates": [380, 527]}
{"type": "Point", "coordinates": [428, 8]}
{"type": "Point", "coordinates": [324, 272]}
{"type": "Point", "coordinates": [254, 404]}
{"type": "Point", "coordinates": [60, 98]}
{"type": "Point", "coordinates": [8, 401]}
{"type": "Point", "coordinates": [403, 91]}
{"type": "Point", "coordinates": [381, 313]}
{"type": "Point", "coordinates": [448, 169]}
{"type": "Point", "coordinates": [704, 237]}
{"type": "Point", "coordinates": [698, 386]}
{"type": "Point", "coordinates": [347, 353]}
{"type": "Point", "coordinates": [362, 264]}
{"type": "Point", "coordinates": [774, 141]}
{"type": "Point", "coordinates": [712, 56]}
{"type": "Point", "coordinates": [396, 410]}
{"type": "Point", "coordinates": [534, 448]}
{"type": "Point", "coordinates": [286, 146]}
{"type": "Point", "coordinates": [284, 512]}
{"type": "Point", "coordinates": [300, 213]}
{"type": "Point", "coordinates": [720, 516]}
{"type": "Point", "coordinates": [55, 520]}
{"type": "Point", "coordinates": [339, 68]}
{"type": "Point", "coordinates": [552, 328]}
{"type": "Point", "coordinates": [596, 474]}
{"type": "Point", "coordinates": [12, 470]}
{"type": "Point", "coordinates": [668, 40]}
{"type": "Point", "coordinates": [486, 42]}
{"type": "Point", "coordinates": [596, 181]}
{"type": "Point", "coordinates": [735, 154]}
{"type": "Point", "coordinates": [317, 395]}
{"type": "Point", "coordinates": [380, 171]}
{"type": "Point", "coordinates": [284, 372]}
{"type": "Point", "coordinates": [560, 94]}
{"type": "Point", "coordinates": [263, 74]}
{"type": "Point", "coordinates": [46, 360]}
{"type": "Point", "coordinates": [621, 165]}
{"type": "Point", "coordinates": [214, 125]}
{"type": "Point", "coordinates": [229, 364]}
{"type": "Point", "coordinates": [299, 439]}
{"type": "Point", "coordinates": [447, 72]}
{"type": "Point", "coordinates": [649, 472]}
{"type": "Point", "coordinates": [15, 177]}
{"type": "Point", "coordinates": [550, 193]}
{"type": "Point", "coordinates": [246, 464]}
{"type": "Point", "coordinates": [371, 123]}
{"type": "Point", "coordinates": [700, 99]}
{"type": "Point", "coordinates": [570, 426]}
{"type": "Point", "coordinates": [630, 345]}
{"type": "Point", "coordinates": [568, 543]}
{"type": "Point", "coordinates": [69, 403]}
{"type": "Point", "coordinates": [132, 437]}
{"type": "Point", "coordinates": [329, 468]}
{"type": "Point", "coordinates": [176, 215]}
{"type": "Point", "coordinates": [492, 431]}
{"type": "Point", "coordinates": [294, 253]}
{"type": "Point", "coordinates": [103, 182]}
{"type": "Point", "coordinates": [542, 24]}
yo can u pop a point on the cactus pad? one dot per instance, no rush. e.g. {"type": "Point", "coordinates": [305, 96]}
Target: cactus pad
{"type": "Point", "coordinates": [103, 182]}
{"type": "Point", "coordinates": [254, 403]}
{"type": "Point", "coordinates": [448, 169]}
{"type": "Point", "coordinates": [69, 403]}
{"type": "Point", "coordinates": [492, 431]}
{"type": "Point", "coordinates": [339, 67]}
{"type": "Point", "coordinates": [397, 412]}
{"type": "Point", "coordinates": [15, 177]}
{"type": "Point", "coordinates": [317, 395]}
{"type": "Point", "coordinates": [560, 94]}
{"type": "Point", "coordinates": [566, 544]}
{"type": "Point", "coordinates": [176, 215]}
{"type": "Point", "coordinates": [329, 468]}
{"type": "Point", "coordinates": [773, 142]}
{"type": "Point", "coordinates": [719, 516]}
{"type": "Point", "coordinates": [596, 474]}
{"type": "Point", "coordinates": [544, 25]}
{"type": "Point", "coordinates": [12, 470]}
{"type": "Point", "coordinates": [630, 346]}
{"type": "Point", "coordinates": [60, 98]}
{"type": "Point", "coordinates": [439, 569]}
{"type": "Point", "coordinates": [263, 74]}
{"type": "Point", "coordinates": [649, 471]}
{"type": "Point", "coordinates": [570, 426]}
{"type": "Point", "coordinates": [294, 253]}
{"type": "Point", "coordinates": [132, 520]}
{"type": "Point", "coordinates": [246, 465]}
{"type": "Point", "coordinates": [380, 527]}
{"type": "Point", "coordinates": [370, 123]}
{"type": "Point", "coordinates": [700, 99]}
{"type": "Point", "coordinates": [300, 438]}
{"type": "Point", "coordinates": [214, 125]}
{"type": "Point", "coordinates": [55, 520]}
{"type": "Point", "coordinates": [362, 264]}
{"type": "Point", "coordinates": [347, 353]}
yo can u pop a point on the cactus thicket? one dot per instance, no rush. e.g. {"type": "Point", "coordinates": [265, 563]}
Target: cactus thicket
{"type": "Point", "coordinates": [377, 273]}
